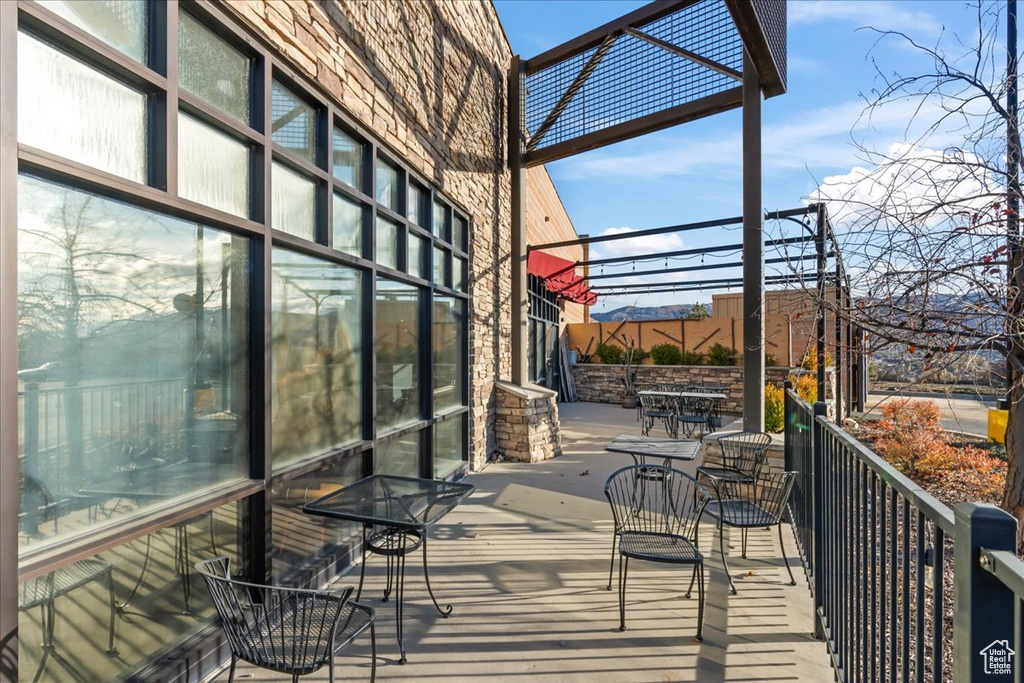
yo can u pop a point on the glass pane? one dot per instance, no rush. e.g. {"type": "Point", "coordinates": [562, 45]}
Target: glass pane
{"type": "Point", "coordinates": [399, 456]}
{"type": "Point", "coordinates": [121, 24]}
{"type": "Point", "coordinates": [133, 368]}
{"type": "Point", "coordinates": [151, 626]}
{"type": "Point", "coordinates": [460, 228]}
{"type": "Point", "coordinates": [293, 123]}
{"type": "Point", "coordinates": [293, 198]}
{"type": "Point", "coordinates": [449, 446]}
{"type": "Point", "coordinates": [348, 225]}
{"type": "Point", "coordinates": [316, 379]}
{"type": "Point", "coordinates": [348, 159]}
{"type": "Point", "coordinates": [387, 243]}
{"type": "Point", "coordinates": [449, 364]}
{"type": "Point", "coordinates": [441, 221]}
{"type": "Point", "coordinates": [213, 168]}
{"type": "Point", "coordinates": [67, 108]}
{"type": "Point", "coordinates": [440, 267]}
{"type": "Point", "coordinates": [417, 204]}
{"type": "Point", "coordinates": [208, 67]}
{"type": "Point", "coordinates": [301, 541]}
{"type": "Point", "coordinates": [387, 185]}
{"type": "Point", "coordinates": [419, 247]}
{"type": "Point", "coordinates": [459, 274]}
{"type": "Point", "coordinates": [397, 343]}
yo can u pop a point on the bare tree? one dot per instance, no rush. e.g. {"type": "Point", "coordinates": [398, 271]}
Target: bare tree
{"type": "Point", "coordinates": [925, 232]}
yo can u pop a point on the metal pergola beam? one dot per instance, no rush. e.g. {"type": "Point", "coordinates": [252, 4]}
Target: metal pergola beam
{"type": "Point", "coordinates": [686, 54]}
{"type": "Point", "coordinates": [689, 252]}
{"type": "Point", "coordinates": [583, 42]}
{"type": "Point", "coordinates": [773, 279]}
{"type": "Point", "coordinates": [703, 266]}
{"type": "Point", "coordinates": [753, 253]}
{"type": "Point", "coordinates": [684, 227]}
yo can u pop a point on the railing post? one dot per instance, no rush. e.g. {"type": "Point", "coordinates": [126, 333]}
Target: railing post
{"type": "Point", "coordinates": [984, 606]}
{"type": "Point", "coordinates": [787, 432]}
{"type": "Point", "coordinates": [818, 513]}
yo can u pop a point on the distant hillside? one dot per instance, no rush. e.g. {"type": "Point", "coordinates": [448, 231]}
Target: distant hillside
{"type": "Point", "coordinates": [643, 313]}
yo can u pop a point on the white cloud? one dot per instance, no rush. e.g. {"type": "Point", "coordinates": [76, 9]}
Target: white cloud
{"type": "Point", "coordinates": [877, 13]}
{"type": "Point", "coordinates": [633, 246]}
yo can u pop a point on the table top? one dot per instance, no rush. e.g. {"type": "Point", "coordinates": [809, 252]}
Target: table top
{"type": "Point", "coordinates": [654, 447]}
{"type": "Point", "coordinates": [682, 394]}
{"type": "Point", "coordinates": [403, 502]}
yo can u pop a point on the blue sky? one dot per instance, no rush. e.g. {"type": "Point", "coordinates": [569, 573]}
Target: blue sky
{"type": "Point", "coordinates": [693, 172]}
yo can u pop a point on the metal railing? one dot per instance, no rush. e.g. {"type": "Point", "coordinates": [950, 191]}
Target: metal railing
{"type": "Point", "coordinates": [879, 553]}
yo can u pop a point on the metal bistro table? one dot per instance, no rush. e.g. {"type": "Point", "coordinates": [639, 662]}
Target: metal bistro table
{"type": "Point", "coordinates": [396, 514]}
{"type": "Point", "coordinates": [643, 447]}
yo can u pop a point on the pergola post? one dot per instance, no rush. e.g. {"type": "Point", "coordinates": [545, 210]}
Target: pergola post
{"type": "Point", "coordinates": [520, 293]}
{"type": "Point", "coordinates": [753, 253]}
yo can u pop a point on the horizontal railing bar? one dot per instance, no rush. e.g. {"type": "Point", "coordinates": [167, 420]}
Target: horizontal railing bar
{"type": "Point", "coordinates": [936, 511]}
{"type": "Point", "coordinates": [1006, 567]}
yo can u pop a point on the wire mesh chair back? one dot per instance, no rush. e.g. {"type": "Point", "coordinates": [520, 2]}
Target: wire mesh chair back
{"type": "Point", "coordinates": [758, 503]}
{"type": "Point", "coordinates": [693, 412]}
{"type": "Point", "coordinates": [289, 630]}
{"type": "Point", "coordinates": [745, 452]}
{"type": "Point", "coordinates": [655, 499]}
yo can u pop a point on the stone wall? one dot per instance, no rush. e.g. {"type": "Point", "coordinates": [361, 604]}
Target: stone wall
{"type": "Point", "coordinates": [526, 425]}
{"type": "Point", "coordinates": [428, 80]}
{"type": "Point", "coordinates": [598, 383]}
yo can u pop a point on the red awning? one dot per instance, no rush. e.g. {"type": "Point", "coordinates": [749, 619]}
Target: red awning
{"type": "Point", "coordinates": [560, 277]}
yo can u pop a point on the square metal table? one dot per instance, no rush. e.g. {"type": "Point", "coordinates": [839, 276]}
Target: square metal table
{"type": "Point", "coordinates": [643, 447]}
{"type": "Point", "coordinates": [396, 513]}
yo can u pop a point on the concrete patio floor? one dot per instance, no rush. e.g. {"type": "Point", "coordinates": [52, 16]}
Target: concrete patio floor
{"type": "Point", "coordinates": [524, 561]}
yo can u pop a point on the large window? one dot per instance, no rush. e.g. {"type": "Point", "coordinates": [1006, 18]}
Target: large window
{"type": "Point", "coordinates": [232, 300]}
{"type": "Point", "coordinates": [316, 356]}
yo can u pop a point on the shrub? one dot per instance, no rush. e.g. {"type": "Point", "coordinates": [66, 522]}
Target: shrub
{"type": "Point", "coordinates": [666, 354]}
{"type": "Point", "coordinates": [774, 408]}
{"type": "Point", "coordinates": [719, 354]}
{"type": "Point", "coordinates": [640, 355]}
{"type": "Point", "coordinates": [691, 358]}
{"type": "Point", "coordinates": [610, 354]}
{"type": "Point", "coordinates": [770, 359]}
{"type": "Point", "coordinates": [806, 387]}
{"type": "Point", "coordinates": [810, 361]}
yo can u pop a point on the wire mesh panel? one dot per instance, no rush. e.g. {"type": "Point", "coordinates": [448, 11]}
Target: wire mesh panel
{"type": "Point", "coordinates": [771, 14]}
{"type": "Point", "coordinates": [626, 77]}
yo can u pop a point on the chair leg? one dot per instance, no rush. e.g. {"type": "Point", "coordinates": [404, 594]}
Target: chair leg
{"type": "Point", "coordinates": [611, 564]}
{"type": "Point", "coordinates": [231, 671]}
{"type": "Point", "coordinates": [373, 652]}
{"type": "Point", "coordinates": [725, 557]}
{"type": "Point", "coordinates": [623, 569]}
{"type": "Point", "coordinates": [113, 612]}
{"type": "Point", "coordinates": [700, 602]}
{"type": "Point", "coordinates": [330, 669]}
{"type": "Point", "coordinates": [692, 577]}
{"type": "Point", "coordinates": [743, 542]}
{"type": "Point", "coordinates": [785, 560]}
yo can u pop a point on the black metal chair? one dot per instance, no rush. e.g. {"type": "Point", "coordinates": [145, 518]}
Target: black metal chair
{"type": "Point", "coordinates": [759, 504]}
{"type": "Point", "coordinates": [693, 414]}
{"type": "Point", "coordinates": [288, 630]}
{"type": "Point", "coordinates": [655, 407]}
{"type": "Point", "coordinates": [743, 456]}
{"type": "Point", "coordinates": [656, 510]}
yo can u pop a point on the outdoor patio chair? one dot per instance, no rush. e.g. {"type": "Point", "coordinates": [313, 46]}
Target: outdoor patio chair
{"type": "Point", "coordinates": [743, 456]}
{"type": "Point", "coordinates": [43, 591]}
{"type": "Point", "coordinates": [746, 505]}
{"type": "Point", "coordinates": [693, 414]}
{"type": "Point", "coordinates": [287, 630]}
{"type": "Point", "coordinates": [639, 405]}
{"type": "Point", "coordinates": [656, 510]}
{"type": "Point", "coordinates": [655, 408]}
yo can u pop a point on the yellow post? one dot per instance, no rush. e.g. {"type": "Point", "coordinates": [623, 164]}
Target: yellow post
{"type": "Point", "coordinates": [997, 420]}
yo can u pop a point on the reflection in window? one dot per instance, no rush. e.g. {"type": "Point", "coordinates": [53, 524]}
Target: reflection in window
{"type": "Point", "coordinates": [418, 249]}
{"type": "Point", "coordinates": [72, 110]}
{"type": "Point", "coordinates": [459, 274]}
{"type": "Point", "coordinates": [417, 204]}
{"type": "Point", "coordinates": [209, 68]}
{"type": "Point", "coordinates": [441, 221]}
{"type": "Point", "coordinates": [293, 202]}
{"type": "Point", "coordinates": [449, 446]}
{"type": "Point", "coordinates": [213, 168]}
{"type": "Point", "coordinates": [348, 159]}
{"type": "Point", "coordinates": [440, 267]}
{"type": "Point", "coordinates": [133, 368]}
{"type": "Point", "coordinates": [121, 24]}
{"type": "Point", "coordinates": [316, 356]}
{"type": "Point", "coordinates": [449, 342]}
{"type": "Point", "coordinates": [165, 605]}
{"type": "Point", "coordinates": [397, 344]}
{"type": "Point", "coordinates": [293, 123]}
{"type": "Point", "coordinates": [387, 185]}
{"type": "Point", "coordinates": [459, 232]}
{"type": "Point", "coordinates": [400, 457]}
{"type": "Point", "coordinates": [387, 243]}
{"type": "Point", "coordinates": [298, 538]}
{"type": "Point", "coordinates": [348, 225]}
